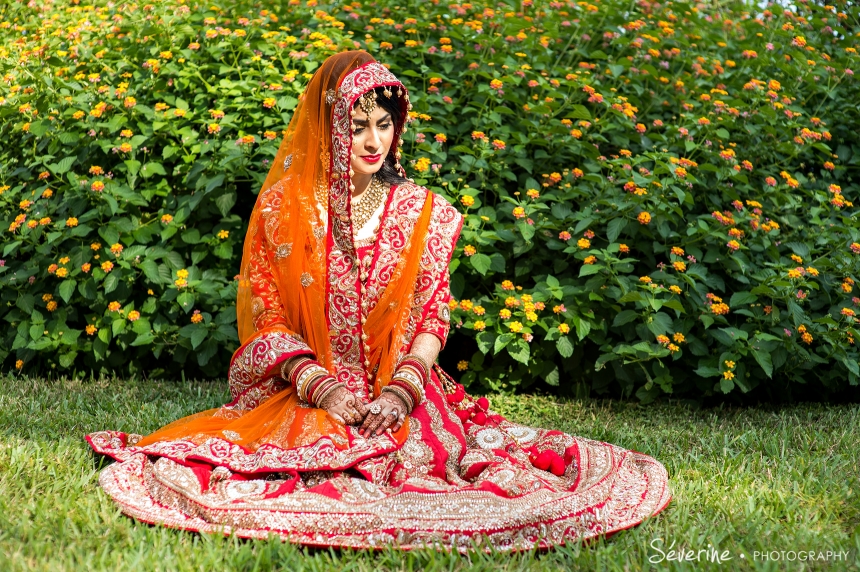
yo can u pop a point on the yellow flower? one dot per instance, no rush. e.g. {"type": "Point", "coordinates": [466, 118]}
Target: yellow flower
{"type": "Point", "coordinates": [479, 310]}
{"type": "Point", "coordinates": [71, 221]}
{"type": "Point", "coordinates": [674, 289]}
{"type": "Point", "coordinates": [644, 218]}
{"type": "Point", "coordinates": [107, 265]}
{"type": "Point", "coordinates": [133, 315]}
{"type": "Point", "coordinates": [564, 328]}
{"type": "Point", "coordinates": [583, 243]}
{"type": "Point", "coordinates": [19, 364]}
{"type": "Point", "coordinates": [515, 327]}
{"type": "Point", "coordinates": [462, 365]}
{"type": "Point", "coordinates": [166, 218]}
{"type": "Point", "coordinates": [222, 234]}
{"type": "Point", "coordinates": [504, 313]}
{"type": "Point", "coordinates": [728, 375]}
{"type": "Point", "coordinates": [183, 273]}
{"type": "Point", "coordinates": [467, 200]}
{"type": "Point", "coordinates": [91, 329]}
{"type": "Point", "coordinates": [480, 325]}
{"type": "Point", "coordinates": [645, 279]}
{"type": "Point", "coordinates": [679, 337]}
{"type": "Point", "coordinates": [729, 364]}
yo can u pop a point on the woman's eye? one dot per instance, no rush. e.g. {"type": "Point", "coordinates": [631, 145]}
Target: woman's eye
{"type": "Point", "coordinates": [358, 130]}
{"type": "Point", "coordinates": [385, 126]}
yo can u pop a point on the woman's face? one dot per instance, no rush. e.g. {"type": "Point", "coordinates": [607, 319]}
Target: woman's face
{"type": "Point", "coordinates": [371, 140]}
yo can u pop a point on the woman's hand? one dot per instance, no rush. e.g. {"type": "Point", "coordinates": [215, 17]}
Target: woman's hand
{"type": "Point", "coordinates": [391, 414]}
{"type": "Point", "coordinates": [344, 406]}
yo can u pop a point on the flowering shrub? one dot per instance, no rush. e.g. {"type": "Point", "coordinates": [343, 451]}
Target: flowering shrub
{"type": "Point", "coordinates": [658, 198]}
{"type": "Point", "coordinates": [138, 136]}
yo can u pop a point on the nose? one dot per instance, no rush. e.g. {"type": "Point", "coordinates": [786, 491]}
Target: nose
{"type": "Point", "coordinates": [373, 141]}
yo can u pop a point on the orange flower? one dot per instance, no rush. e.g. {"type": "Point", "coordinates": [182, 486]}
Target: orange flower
{"type": "Point", "coordinates": [133, 316]}
{"type": "Point", "coordinates": [644, 218]}
{"type": "Point", "coordinates": [107, 265]}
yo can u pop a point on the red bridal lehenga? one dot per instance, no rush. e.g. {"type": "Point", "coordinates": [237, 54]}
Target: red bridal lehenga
{"type": "Point", "coordinates": [456, 474]}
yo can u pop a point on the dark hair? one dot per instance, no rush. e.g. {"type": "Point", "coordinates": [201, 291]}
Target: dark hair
{"type": "Point", "coordinates": [388, 172]}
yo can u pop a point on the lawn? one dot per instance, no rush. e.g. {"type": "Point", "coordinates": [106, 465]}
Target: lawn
{"type": "Point", "coordinates": [743, 479]}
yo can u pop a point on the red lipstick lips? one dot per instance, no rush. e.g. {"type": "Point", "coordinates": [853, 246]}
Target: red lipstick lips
{"type": "Point", "coordinates": [372, 158]}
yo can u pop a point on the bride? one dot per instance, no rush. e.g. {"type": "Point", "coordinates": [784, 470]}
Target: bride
{"type": "Point", "coordinates": [342, 429]}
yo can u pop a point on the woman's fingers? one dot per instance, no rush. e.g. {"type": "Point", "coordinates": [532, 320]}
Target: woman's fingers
{"type": "Point", "coordinates": [368, 421]}
{"type": "Point", "coordinates": [389, 419]}
{"type": "Point", "coordinates": [362, 408]}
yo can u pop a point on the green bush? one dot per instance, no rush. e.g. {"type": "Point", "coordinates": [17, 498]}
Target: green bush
{"type": "Point", "coordinates": [656, 195]}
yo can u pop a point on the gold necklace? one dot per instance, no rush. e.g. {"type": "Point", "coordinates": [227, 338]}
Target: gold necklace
{"type": "Point", "coordinates": [362, 211]}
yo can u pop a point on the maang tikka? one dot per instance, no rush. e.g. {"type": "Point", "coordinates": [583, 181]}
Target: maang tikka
{"type": "Point", "coordinates": [367, 102]}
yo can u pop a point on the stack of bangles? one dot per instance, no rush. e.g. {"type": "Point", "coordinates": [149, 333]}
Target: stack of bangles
{"type": "Point", "coordinates": [312, 381]}
{"type": "Point", "coordinates": [412, 373]}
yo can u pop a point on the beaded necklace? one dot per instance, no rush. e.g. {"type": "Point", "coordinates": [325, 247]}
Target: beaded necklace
{"type": "Point", "coordinates": [363, 209]}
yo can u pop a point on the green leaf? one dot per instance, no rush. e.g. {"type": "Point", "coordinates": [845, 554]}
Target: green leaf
{"type": "Point", "coordinates": [501, 342]}
{"type": "Point", "coordinates": [144, 339]}
{"type": "Point", "coordinates": [111, 282]}
{"type": "Point", "coordinates": [151, 169]}
{"type": "Point", "coordinates": [519, 350]}
{"type": "Point", "coordinates": [67, 288]}
{"type": "Point", "coordinates": [150, 270]}
{"type": "Point", "coordinates": [186, 300]}
{"type": "Point", "coordinates": [579, 112]}
{"type": "Point", "coordinates": [67, 359]}
{"type": "Point", "coordinates": [198, 336]}
{"type": "Point", "coordinates": [722, 133]}
{"type": "Point", "coordinates": [118, 326]}
{"type": "Point", "coordinates": [624, 317]}
{"type": "Point", "coordinates": [485, 341]}
{"type": "Point", "coordinates": [62, 166]}
{"type": "Point", "coordinates": [614, 228]}
{"type": "Point", "coordinates": [589, 269]}
{"type": "Point", "coordinates": [564, 346]}
{"type": "Point", "coordinates": [660, 324]}
{"type": "Point", "coordinates": [527, 230]}
{"type": "Point", "coordinates": [481, 263]}
{"type": "Point", "coordinates": [742, 299]}
{"type": "Point", "coordinates": [763, 359]}
{"type": "Point", "coordinates": [133, 166]}
{"type": "Point", "coordinates": [214, 183]}
{"type": "Point", "coordinates": [225, 202]}
{"type": "Point", "coordinates": [726, 385]}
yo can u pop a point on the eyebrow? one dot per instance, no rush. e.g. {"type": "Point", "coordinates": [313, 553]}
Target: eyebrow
{"type": "Point", "coordinates": [364, 121]}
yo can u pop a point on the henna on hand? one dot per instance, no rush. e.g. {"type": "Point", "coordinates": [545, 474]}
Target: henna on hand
{"type": "Point", "coordinates": [391, 409]}
{"type": "Point", "coordinates": [344, 406]}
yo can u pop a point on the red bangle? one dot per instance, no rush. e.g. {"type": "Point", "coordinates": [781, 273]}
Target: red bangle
{"type": "Point", "coordinates": [408, 389]}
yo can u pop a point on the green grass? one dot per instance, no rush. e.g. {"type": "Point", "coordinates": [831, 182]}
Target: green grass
{"type": "Point", "coordinates": [743, 479]}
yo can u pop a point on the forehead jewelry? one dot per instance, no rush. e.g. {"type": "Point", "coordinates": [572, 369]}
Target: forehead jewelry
{"type": "Point", "coordinates": [387, 91]}
{"type": "Point", "coordinates": [367, 102]}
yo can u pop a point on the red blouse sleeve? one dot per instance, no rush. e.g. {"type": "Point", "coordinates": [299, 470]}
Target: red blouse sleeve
{"type": "Point", "coordinates": [444, 231]}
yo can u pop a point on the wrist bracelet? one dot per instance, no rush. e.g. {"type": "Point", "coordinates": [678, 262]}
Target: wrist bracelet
{"type": "Point", "coordinates": [306, 375]}
{"type": "Point", "coordinates": [327, 390]}
{"type": "Point", "coordinates": [298, 368]}
{"type": "Point", "coordinates": [414, 396]}
{"type": "Point", "coordinates": [422, 366]}
{"type": "Point", "coordinates": [296, 361]}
